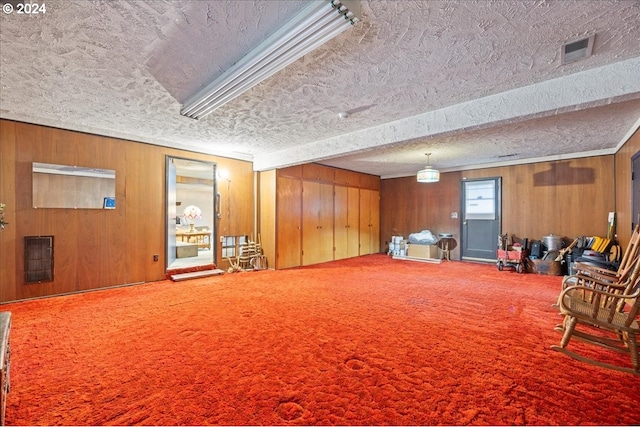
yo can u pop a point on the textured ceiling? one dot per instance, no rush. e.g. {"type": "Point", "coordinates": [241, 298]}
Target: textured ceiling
{"type": "Point", "coordinates": [475, 83]}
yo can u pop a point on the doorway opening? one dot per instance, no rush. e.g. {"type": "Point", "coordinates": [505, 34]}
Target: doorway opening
{"type": "Point", "coordinates": [191, 214]}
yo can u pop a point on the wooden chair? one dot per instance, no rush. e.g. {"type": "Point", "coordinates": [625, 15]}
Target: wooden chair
{"type": "Point", "coordinates": [594, 311]}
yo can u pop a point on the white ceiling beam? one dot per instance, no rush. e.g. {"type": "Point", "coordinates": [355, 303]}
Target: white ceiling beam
{"type": "Point", "coordinates": [608, 84]}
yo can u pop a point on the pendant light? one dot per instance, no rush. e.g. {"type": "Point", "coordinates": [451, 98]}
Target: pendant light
{"type": "Point", "coordinates": [428, 174]}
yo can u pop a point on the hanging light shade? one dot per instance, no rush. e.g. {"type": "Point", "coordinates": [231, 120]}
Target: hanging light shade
{"type": "Point", "coordinates": [428, 174]}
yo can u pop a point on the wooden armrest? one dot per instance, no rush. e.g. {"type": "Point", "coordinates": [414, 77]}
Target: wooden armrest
{"type": "Point", "coordinates": [591, 268]}
{"type": "Point", "coordinates": [595, 278]}
{"type": "Point", "coordinates": [589, 289]}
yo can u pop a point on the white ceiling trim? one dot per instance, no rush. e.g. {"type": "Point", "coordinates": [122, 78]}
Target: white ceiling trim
{"type": "Point", "coordinates": [628, 135]}
{"type": "Point", "coordinates": [586, 89]}
{"type": "Point", "coordinates": [570, 156]}
{"type": "Point", "coordinates": [111, 133]}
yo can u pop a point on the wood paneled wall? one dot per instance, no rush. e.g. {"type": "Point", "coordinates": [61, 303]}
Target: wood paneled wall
{"type": "Point", "coordinates": [267, 215]}
{"type": "Point", "coordinates": [623, 184]}
{"type": "Point", "coordinates": [96, 248]}
{"type": "Point", "coordinates": [102, 248]}
{"type": "Point", "coordinates": [568, 198]}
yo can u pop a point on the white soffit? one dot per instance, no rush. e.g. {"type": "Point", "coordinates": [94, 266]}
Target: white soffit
{"type": "Point", "coordinates": [587, 89]}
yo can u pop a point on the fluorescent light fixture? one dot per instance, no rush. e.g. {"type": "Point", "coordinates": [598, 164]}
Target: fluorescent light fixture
{"type": "Point", "coordinates": [315, 25]}
{"type": "Point", "coordinates": [428, 174]}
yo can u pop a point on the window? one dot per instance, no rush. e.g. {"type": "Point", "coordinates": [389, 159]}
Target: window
{"type": "Point", "coordinates": [480, 200]}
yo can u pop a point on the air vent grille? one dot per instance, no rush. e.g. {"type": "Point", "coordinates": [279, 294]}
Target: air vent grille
{"type": "Point", "coordinates": [577, 50]}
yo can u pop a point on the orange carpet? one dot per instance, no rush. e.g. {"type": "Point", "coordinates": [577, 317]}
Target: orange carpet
{"type": "Point", "coordinates": [363, 341]}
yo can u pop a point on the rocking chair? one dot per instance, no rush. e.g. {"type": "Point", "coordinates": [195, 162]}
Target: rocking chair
{"type": "Point", "coordinates": [605, 308]}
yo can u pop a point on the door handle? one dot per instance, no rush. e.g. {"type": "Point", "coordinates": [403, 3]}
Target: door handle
{"type": "Point", "coordinates": [218, 206]}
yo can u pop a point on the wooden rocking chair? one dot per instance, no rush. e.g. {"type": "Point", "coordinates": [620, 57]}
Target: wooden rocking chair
{"type": "Point", "coordinates": [246, 256]}
{"type": "Point", "coordinates": [605, 308]}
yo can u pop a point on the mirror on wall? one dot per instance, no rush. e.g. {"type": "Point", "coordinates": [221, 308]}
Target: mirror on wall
{"type": "Point", "coordinates": [73, 187]}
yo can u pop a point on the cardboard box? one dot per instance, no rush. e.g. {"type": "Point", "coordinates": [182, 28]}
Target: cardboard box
{"type": "Point", "coordinates": [422, 251]}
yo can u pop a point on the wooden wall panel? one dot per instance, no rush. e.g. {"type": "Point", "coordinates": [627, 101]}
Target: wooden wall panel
{"type": "Point", "coordinates": [370, 182]}
{"type": "Point", "coordinates": [316, 172]}
{"type": "Point", "coordinates": [144, 222]}
{"type": "Point", "coordinates": [347, 178]}
{"type": "Point", "coordinates": [407, 206]}
{"type": "Point", "coordinates": [267, 222]}
{"type": "Point", "coordinates": [290, 172]}
{"type": "Point", "coordinates": [8, 235]}
{"type": "Point", "coordinates": [96, 248]}
{"type": "Point", "coordinates": [568, 198]}
{"type": "Point", "coordinates": [624, 207]}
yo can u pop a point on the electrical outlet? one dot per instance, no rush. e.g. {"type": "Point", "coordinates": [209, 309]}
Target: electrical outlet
{"type": "Point", "coordinates": [156, 257]}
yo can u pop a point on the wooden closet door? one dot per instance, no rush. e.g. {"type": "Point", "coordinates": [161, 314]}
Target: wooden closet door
{"type": "Point", "coordinates": [347, 214]}
{"type": "Point", "coordinates": [365, 222]}
{"type": "Point", "coordinates": [288, 223]}
{"type": "Point", "coordinates": [341, 224]}
{"type": "Point", "coordinates": [369, 222]}
{"type": "Point", "coordinates": [317, 222]}
{"type": "Point", "coordinates": [374, 220]}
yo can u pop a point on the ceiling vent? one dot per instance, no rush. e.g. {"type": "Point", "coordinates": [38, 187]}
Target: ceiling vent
{"type": "Point", "coordinates": [577, 50]}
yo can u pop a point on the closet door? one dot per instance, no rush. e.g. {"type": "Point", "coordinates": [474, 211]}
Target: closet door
{"type": "Point", "coordinates": [369, 221]}
{"type": "Point", "coordinates": [317, 222]}
{"type": "Point", "coordinates": [288, 222]}
{"type": "Point", "coordinates": [346, 216]}
{"type": "Point", "coordinates": [374, 218]}
{"type": "Point", "coordinates": [365, 222]}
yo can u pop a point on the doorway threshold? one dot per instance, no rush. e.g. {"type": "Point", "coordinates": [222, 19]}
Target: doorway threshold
{"type": "Point", "coordinates": [196, 274]}
{"type": "Point", "coordinates": [483, 260]}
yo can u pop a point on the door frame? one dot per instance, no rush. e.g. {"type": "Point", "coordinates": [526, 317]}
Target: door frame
{"type": "Point", "coordinates": [170, 220]}
{"type": "Point", "coordinates": [491, 241]}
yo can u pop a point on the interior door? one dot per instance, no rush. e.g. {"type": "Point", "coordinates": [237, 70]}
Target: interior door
{"type": "Point", "coordinates": [481, 218]}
